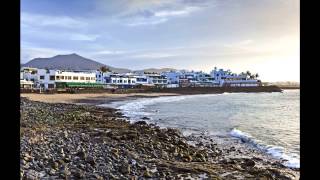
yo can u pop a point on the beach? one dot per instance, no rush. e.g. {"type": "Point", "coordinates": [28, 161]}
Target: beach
{"type": "Point", "coordinates": [92, 98]}
{"type": "Point", "coordinates": [62, 139]}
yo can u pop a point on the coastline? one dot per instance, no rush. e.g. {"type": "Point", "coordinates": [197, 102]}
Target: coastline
{"type": "Point", "coordinates": [180, 159]}
{"type": "Point", "coordinates": [107, 97]}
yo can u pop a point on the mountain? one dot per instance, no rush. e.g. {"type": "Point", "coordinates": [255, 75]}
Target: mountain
{"type": "Point", "coordinates": [151, 70]}
{"type": "Point", "coordinates": [69, 62]}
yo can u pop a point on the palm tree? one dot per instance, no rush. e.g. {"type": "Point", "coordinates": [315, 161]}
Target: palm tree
{"type": "Point", "coordinates": [104, 69]}
{"type": "Point", "coordinates": [248, 73]}
{"type": "Point", "coordinates": [257, 75]}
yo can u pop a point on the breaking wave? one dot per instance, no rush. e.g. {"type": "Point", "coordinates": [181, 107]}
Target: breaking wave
{"type": "Point", "coordinates": [291, 160]}
{"type": "Point", "coordinates": [135, 109]}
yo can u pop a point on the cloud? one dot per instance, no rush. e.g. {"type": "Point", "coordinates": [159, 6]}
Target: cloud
{"type": "Point", "coordinates": [30, 19]}
{"type": "Point", "coordinates": [149, 12]}
{"type": "Point", "coordinates": [168, 13]}
{"type": "Point", "coordinates": [240, 44]}
{"type": "Point", "coordinates": [108, 52]}
{"type": "Point", "coordinates": [83, 37]}
{"type": "Point", "coordinates": [28, 53]}
{"type": "Point", "coordinates": [154, 55]}
{"type": "Point", "coordinates": [139, 22]}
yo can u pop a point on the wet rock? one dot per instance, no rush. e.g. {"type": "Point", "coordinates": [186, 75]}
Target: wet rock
{"type": "Point", "coordinates": [62, 141]}
{"type": "Point", "coordinates": [140, 123]}
{"type": "Point", "coordinates": [248, 163]}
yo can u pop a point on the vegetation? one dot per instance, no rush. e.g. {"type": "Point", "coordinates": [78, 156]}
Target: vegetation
{"type": "Point", "coordinates": [104, 69]}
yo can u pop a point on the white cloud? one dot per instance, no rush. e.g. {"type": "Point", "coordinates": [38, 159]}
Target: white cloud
{"type": "Point", "coordinates": [108, 52]}
{"type": "Point", "coordinates": [153, 55]}
{"type": "Point", "coordinates": [30, 19]}
{"type": "Point", "coordinates": [140, 22]}
{"type": "Point", "coordinates": [83, 37]}
{"type": "Point", "coordinates": [28, 53]}
{"type": "Point", "coordinates": [167, 13]}
{"type": "Point", "coordinates": [149, 12]}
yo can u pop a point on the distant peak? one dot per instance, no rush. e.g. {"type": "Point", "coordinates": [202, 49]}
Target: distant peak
{"type": "Point", "coordinates": [64, 55]}
{"type": "Point", "coordinates": [73, 54]}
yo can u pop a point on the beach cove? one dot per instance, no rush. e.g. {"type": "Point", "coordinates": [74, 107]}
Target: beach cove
{"type": "Point", "coordinates": [98, 142]}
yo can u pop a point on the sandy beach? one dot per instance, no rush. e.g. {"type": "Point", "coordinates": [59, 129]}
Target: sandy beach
{"type": "Point", "coordinates": [92, 98]}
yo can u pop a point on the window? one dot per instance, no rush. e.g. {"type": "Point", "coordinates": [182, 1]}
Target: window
{"type": "Point", "coordinates": [41, 77]}
{"type": "Point", "coordinates": [81, 78]}
{"type": "Point", "coordinates": [120, 81]}
{"type": "Point", "coordinates": [75, 77]}
{"type": "Point", "coordinates": [69, 78]}
{"type": "Point", "coordinates": [57, 77]}
{"type": "Point", "coordinates": [113, 81]}
{"type": "Point", "coordinates": [50, 86]}
{"type": "Point", "coordinates": [92, 78]}
{"type": "Point", "coordinates": [61, 77]}
{"type": "Point", "coordinates": [87, 78]}
{"type": "Point", "coordinates": [133, 81]}
{"type": "Point", "coordinates": [52, 78]}
{"type": "Point", "coordinates": [129, 81]}
{"type": "Point", "coordinates": [124, 81]}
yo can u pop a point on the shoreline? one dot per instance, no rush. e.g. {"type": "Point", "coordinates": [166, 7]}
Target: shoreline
{"type": "Point", "coordinates": [107, 97]}
{"type": "Point", "coordinates": [215, 165]}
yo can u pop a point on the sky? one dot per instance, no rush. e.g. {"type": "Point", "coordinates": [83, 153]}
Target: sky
{"type": "Point", "coordinates": [262, 36]}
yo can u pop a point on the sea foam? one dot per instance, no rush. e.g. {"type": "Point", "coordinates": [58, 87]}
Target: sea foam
{"type": "Point", "coordinates": [291, 160]}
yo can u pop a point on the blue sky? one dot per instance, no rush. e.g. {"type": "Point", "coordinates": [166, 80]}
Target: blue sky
{"type": "Point", "coordinates": [260, 36]}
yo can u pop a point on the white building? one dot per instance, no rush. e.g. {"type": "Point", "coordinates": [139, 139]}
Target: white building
{"type": "Point", "coordinates": [47, 79]}
{"type": "Point", "coordinates": [227, 78]}
{"type": "Point", "coordinates": [157, 79]}
{"type": "Point", "coordinates": [121, 80]}
{"type": "Point", "coordinates": [103, 77]}
{"type": "Point", "coordinates": [172, 76]}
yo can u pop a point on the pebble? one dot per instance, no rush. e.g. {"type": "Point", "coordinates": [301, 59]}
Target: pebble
{"type": "Point", "coordinates": [69, 146]}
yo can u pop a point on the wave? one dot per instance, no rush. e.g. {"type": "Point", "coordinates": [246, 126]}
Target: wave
{"type": "Point", "coordinates": [135, 109]}
{"type": "Point", "coordinates": [291, 160]}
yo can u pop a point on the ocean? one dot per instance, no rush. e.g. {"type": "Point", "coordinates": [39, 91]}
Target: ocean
{"type": "Point", "coordinates": [269, 122]}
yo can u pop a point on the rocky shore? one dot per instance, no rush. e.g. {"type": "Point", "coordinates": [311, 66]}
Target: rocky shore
{"type": "Point", "coordinates": [67, 141]}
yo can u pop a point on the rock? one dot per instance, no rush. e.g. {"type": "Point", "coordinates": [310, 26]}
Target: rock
{"type": "Point", "coordinates": [81, 154]}
{"type": "Point", "coordinates": [188, 158]}
{"type": "Point", "coordinates": [79, 174]}
{"type": "Point", "coordinates": [140, 123]}
{"type": "Point", "coordinates": [91, 160]}
{"type": "Point", "coordinates": [125, 169]}
{"type": "Point", "coordinates": [145, 118]}
{"type": "Point", "coordinates": [55, 165]}
{"type": "Point", "coordinates": [32, 174]}
{"type": "Point", "coordinates": [66, 172]}
{"type": "Point", "coordinates": [248, 163]}
{"type": "Point", "coordinates": [147, 174]}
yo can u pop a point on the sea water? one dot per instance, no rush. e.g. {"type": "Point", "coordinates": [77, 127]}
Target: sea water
{"type": "Point", "coordinates": [269, 122]}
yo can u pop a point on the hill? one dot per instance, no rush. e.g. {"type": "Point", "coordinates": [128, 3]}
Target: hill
{"type": "Point", "coordinates": [69, 62]}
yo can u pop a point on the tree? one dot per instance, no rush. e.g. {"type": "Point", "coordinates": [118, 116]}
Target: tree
{"type": "Point", "coordinates": [104, 69]}
{"type": "Point", "coordinates": [248, 73]}
{"type": "Point", "coordinates": [257, 75]}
